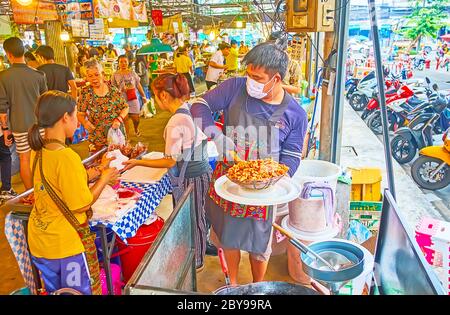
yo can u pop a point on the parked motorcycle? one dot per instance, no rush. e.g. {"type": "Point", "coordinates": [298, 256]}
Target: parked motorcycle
{"type": "Point", "coordinates": [432, 169]}
{"type": "Point", "coordinates": [401, 110]}
{"type": "Point", "coordinates": [418, 63]}
{"type": "Point", "coordinates": [360, 97]}
{"type": "Point", "coordinates": [350, 86]}
{"type": "Point", "coordinates": [418, 134]}
{"type": "Point", "coordinates": [392, 95]}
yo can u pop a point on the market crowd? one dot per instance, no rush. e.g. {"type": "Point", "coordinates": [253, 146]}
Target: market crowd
{"type": "Point", "coordinates": [41, 106]}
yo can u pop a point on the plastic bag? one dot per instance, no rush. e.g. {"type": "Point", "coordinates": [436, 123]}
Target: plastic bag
{"type": "Point", "coordinates": [115, 136]}
{"type": "Point", "coordinates": [357, 232]}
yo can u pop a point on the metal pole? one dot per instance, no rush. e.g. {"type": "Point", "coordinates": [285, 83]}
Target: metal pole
{"type": "Point", "coordinates": [316, 57]}
{"type": "Point", "coordinates": [380, 84]}
{"type": "Point", "coordinates": [106, 258]}
{"type": "Point", "coordinates": [338, 110]}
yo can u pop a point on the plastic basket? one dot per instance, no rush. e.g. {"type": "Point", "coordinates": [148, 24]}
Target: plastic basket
{"type": "Point", "coordinates": [367, 213]}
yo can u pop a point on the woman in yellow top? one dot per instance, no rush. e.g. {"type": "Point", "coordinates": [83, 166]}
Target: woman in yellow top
{"type": "Point", "coordinates": [56, 248]}
{"type": "Point", "coordinates": [233, 58]}
{"type": "Point", "coordinates": [183, 65]}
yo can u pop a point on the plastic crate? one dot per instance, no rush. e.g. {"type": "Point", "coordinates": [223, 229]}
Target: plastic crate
{"type": "Point", "coordinates": [366, 212]}
{"type": "Point", "coordinates": [366, 184]}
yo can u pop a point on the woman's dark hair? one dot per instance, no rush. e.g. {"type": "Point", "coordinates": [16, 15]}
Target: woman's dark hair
{"type": "Point", "coordinates": [139, 59]}
{"type": "Point", "coordinates": [175, 84]}
{"type": "Point", "coordinates": [51, 106]}
{"type": "Point", "coordinates": [122, 57]}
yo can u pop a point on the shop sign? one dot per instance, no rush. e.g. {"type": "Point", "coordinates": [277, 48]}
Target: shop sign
{"type": "Point", "coordinates": [157, 17]}
{"type": "Point", "coordinates": [75, 9]}
{"type": "Point", "coordinates": [5, 25]}
{"type": "Point", "coordinates": [80, 28]}
{"type": "Point", "coordinates": [121, 9]}
{"type": "Point", "coordinates": [97, 30]}
{"type": "Point", "coordinates": [35, 13]}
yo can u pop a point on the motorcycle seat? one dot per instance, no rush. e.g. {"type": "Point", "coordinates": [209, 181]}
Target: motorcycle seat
{"type": "Point", "coordinates": [414, 101]}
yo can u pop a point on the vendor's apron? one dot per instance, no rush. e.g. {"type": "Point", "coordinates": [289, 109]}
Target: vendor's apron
{"type": "Point", "coordinates": [194, 163]}
{"type": "Point", "coordinates": [245, 227]}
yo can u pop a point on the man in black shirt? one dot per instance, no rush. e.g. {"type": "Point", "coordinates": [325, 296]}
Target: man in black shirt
{"type": "Point", "coordinates": [58, 77]}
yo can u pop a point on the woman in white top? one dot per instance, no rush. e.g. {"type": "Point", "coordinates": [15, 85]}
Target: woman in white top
{"type": "Point", "coordinates": [185, 151]}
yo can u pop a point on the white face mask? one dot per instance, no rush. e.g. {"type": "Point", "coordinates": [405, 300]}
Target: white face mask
{"type": "Point", "coordinates": [255, 89]}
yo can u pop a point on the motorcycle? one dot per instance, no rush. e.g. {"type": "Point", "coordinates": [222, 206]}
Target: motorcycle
{"type": "Point", "coordinates": [350, 86]}
{"type": "Point", "coordinates": [400, 110]}
{"type": "Point", "coordinates": [360, 97]}
{"type": "Point", "coordinates": [432, 169]}
{"type": "Point", "coordinates": [403, 92]}
{"type": "Point", "coordinates": [418, 63]}
{"type": "Point", "coordinates": [418, 134]}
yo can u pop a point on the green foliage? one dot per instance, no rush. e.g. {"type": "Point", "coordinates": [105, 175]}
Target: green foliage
{"type": "Point", "coordinates": [425, 21]}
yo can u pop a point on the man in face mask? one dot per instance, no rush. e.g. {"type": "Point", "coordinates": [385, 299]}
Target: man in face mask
{"type": "Point", "coordinates": [261, 120]}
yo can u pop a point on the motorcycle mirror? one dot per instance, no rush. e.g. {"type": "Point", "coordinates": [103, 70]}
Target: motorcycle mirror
{"type": "Point", "coordinates": [428, 80]}
{"type": "Point", "coordinates": [435, 87]}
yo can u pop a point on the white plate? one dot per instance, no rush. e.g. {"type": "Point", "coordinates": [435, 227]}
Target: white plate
{"type": "Point", "coordinates": [283, 191]}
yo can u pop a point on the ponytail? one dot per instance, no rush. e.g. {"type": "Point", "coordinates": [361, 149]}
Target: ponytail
{"type": "Point", "coordinates": [175, 84]}
{"type": "Point", "coordinates": [35, 139]}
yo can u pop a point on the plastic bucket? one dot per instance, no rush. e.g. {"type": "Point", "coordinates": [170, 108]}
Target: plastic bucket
{"type": "Point", "coordinates": [317, 171]}
{"type": "Point", "coordinates": [295, 267]}
{"type": "Point", "coordinates": [21, 291]}
{"type": "Point", "coordinates": [279, 248]}
{"type": "Point", "coordinates": [116, 280]}
{"type": "Point", "coordinates": [138, 245]}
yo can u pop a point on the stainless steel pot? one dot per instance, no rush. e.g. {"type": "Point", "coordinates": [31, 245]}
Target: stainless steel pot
{"type": "Point", "coordinates": [266, 288]}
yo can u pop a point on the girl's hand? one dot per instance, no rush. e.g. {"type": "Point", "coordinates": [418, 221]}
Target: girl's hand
{"type": "Point", "coordinates": [129, 164]}
{"type": "Point", "coordinates": [111, 175]}
{"type": "Point", "coordinates": [106, 161]}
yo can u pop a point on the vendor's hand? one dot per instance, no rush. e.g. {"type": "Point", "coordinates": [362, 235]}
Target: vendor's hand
{"type": "Point", "coordinates": [111, 175]}
{"type": "Point", "coordinates": [129, 164]}
{"type": "Point", "coordinates": [115, 124]}
{"type": "Point", "coordinates": [6, 136]}
{"type": "Point", "coordinates": [225, 146]}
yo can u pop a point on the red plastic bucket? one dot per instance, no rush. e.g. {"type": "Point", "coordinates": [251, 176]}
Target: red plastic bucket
{"type": "Point", "coordinates": [138, 245]}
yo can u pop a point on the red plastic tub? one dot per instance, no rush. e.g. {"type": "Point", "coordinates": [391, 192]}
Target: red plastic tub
{"type": "Point", "coordinates": [138, 245]}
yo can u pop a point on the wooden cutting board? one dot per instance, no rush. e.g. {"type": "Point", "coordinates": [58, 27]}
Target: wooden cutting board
{"type": "Point", "coordinates": [142, 174]}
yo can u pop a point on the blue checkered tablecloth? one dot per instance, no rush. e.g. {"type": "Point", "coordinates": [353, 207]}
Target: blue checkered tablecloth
{"type": "Point", "coordinates": [150, 199]}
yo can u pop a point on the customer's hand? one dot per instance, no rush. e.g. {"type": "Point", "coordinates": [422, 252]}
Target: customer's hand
{"type": "Point", "coordinates": [144, 100]}
{"type": "Point", "coordinates": [6, 136]}
{"type": "Point", "coordinates": [110, 175]}
{"type": "Point", "coordinates": [106, 161]}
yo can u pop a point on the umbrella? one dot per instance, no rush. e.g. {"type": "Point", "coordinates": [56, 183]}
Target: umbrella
{"type": "Point", "coordinates": [446, 37]}
{"type": "Point", "coordinates": [155, 47]}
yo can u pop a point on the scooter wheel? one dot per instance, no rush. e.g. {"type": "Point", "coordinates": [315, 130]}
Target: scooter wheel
{"type": "Point", "coordinates": [421, 171]}
{"type": "Point", "coordinates": [374, 123]}
{"type": "Point", "coordinates": [403, 150]}
{"type": "Point", "coordinates": [358, 101]}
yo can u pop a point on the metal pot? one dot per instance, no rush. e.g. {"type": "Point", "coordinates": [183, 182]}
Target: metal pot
{"type": "Point", "coordinates": [266, 288]}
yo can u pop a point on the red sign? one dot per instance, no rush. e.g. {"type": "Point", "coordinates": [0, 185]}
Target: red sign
{"type": "Point", "coordinates": [157, 17]}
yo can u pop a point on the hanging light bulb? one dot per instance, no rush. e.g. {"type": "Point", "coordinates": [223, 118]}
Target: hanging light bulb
{"type": "Point", "coordinates": [212, 35]}
{"type": "Point", "coordinates": [110, 19]}
{"type": "Point", "coordinates": [25, 2]}
{"type": "Point", "coordinates": [239, 24]}
{"type": "Point", "coordinates": [64, 36]}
